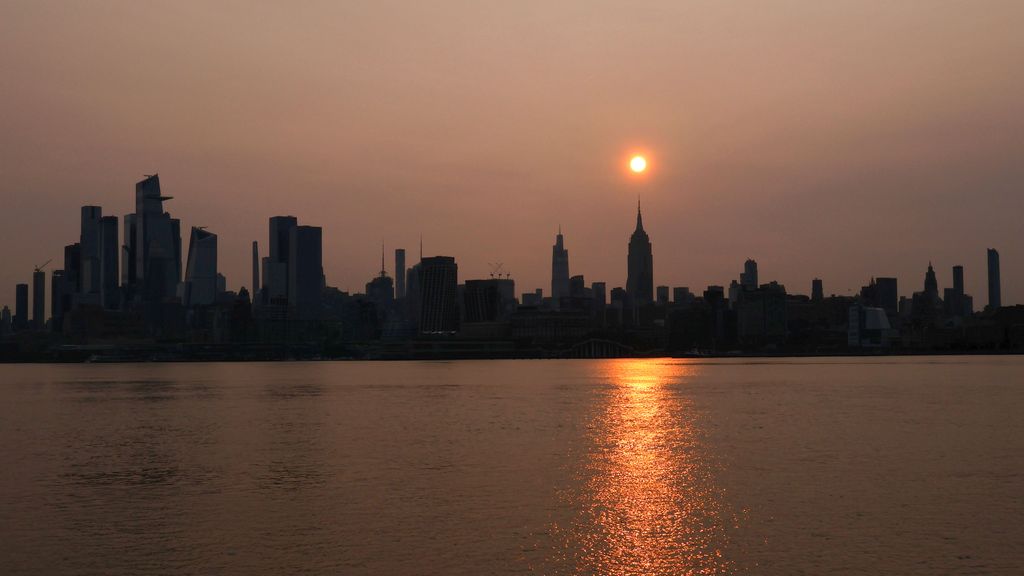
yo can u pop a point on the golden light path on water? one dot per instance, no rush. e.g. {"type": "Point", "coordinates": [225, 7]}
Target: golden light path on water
{"type": "Point", "coordinates": [647, 501]}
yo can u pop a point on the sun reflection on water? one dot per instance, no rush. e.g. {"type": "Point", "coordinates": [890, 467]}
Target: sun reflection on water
{"type": "Point", "coordinates": [647, 502]}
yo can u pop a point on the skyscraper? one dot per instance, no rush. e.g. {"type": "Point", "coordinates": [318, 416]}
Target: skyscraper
{"type": "Point", "coordinates": [931, 285]}
{"type": "Point", "coordinates": [90, 269]}
{"type": "Point", "coordinates": [110, 291]}
{"type": "Point", "coordinates": [200, 285]}
{"type": "Point", "coordinates": [400, 273]}
{"type": "Point", "coordinates": [305, 271]}
{"type": "Point", "coordinates": [38, 299]}
{"type": "Point", "coordinates": [748, 278]}
{"type": "Point", "coordinates": [152, 246]}
{"type": "Point", "coordinates": [995, 298]}
{"type": "Point", "coordinates": [926, 304]}
{"type": "Point", "coordinates": [20, 307]}
{"type": "Point", "coordinates": [381, 290]}
{"type": "Point", "coordinates": [255, 270]}
{"type": "Point", "coordinates": [817, 290]}
{"type": "Point", "coordinates": [888, 295]}
{"type": "Point", "coordinates": [275, 264]}
{"type": "Point", "coordinates": [559, 270]}
{"type": "Point", "coordinates": [439, 295]}
{"type": "Point", "coordinates": [956, 302]}
{"type": "Point", "coordinates": [490, 300]}
{"type": "Point", "coordinates": [640, 263]}
{"type": "Point", "coordinates": [57, 299]}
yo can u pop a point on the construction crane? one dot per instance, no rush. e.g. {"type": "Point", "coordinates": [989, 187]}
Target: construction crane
{"type": "Point", "coordinates": [43, 265]}
{"type": "Point", "coordinates": [497, 268]}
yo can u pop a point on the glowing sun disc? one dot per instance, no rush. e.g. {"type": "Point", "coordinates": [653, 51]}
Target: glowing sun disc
{"type": "Point", "coordinates": [638, 164]}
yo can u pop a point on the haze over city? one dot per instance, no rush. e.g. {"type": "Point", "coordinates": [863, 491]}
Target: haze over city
{"type": "Point", "coordinates": [839, 140]}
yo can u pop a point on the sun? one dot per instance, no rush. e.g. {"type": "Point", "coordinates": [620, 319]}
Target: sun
{"type": "Point", "coordinates": [638, 164]}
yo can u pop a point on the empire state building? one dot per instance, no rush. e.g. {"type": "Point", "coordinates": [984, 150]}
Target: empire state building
{"type": "Point", "coordinates": [640, 278]}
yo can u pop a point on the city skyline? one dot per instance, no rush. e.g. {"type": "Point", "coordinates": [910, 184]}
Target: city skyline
{"type": "Point", "coordinates": [907, 289]}
{"type": "Point", "coordinates": [89, 213]}
{"type": "Point", "coordinates": [784, 137]}
{"type": "Point", "coordinates": [99, 282]}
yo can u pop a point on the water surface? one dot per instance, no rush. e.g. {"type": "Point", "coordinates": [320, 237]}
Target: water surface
{"type": "Point", "coordinates": [908, 466]}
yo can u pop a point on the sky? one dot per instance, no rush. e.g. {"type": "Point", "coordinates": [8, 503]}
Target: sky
{"type": "Point", "coordinates": [840, 140]}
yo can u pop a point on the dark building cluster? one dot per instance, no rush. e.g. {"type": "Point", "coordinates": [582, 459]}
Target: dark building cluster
{"type": "Point", "coordinates": [128, 298]}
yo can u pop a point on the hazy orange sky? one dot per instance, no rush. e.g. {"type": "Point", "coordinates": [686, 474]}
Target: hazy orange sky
{"type": "Point", "coordinates": [840, 139]}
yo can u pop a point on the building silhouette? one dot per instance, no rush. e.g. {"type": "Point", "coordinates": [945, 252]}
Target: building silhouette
{"type": "Point", "coordinates": [817, 290]}
{"type": "Point", "coordinates": [995, 298]}
{"type": "Point", "coordinates": [305, 271]}
{"type": "Point", "coordinates": [748, 278]}
{"type": "Point", "coordinates": [381, 290]}
{"type": "Point", "coordinates": [559, 270]}
{"type": "Point", "coordinates": [90, 254]}
{"type": "Point", "coordinates": [276, 263]}
{"type": "Point", "coordinates": [439, 295]}
{"type": "Point", "coordinates": [5, 321]}
{"type": "Point", "coordinates": [152, 251]}
{"type": "Point", "coordinates": [57, 300]}
{"type": "Point", "coordinates": [888, 295]}
{"type": "Point", "coordinates": [662, 295]}
{"type": "Point", "coordinates": [681, 296]}
{"type": "Point", "coordinates": [255, 270]}
{"type": "Point", "coordinates": [489, 300]}
{"type": "Point", "coordinates": [931, 284]}
{"type": "Point", "coordinates": [20, 307]}
{"type": "Point", "coordinates": [71, 281]}
{"type": "Point", "coordinates": [400, 273]}
{"type": "Point", "coordinates": [200, 285]}
{"type": "Point", "coordinates": [926, 305]}
{"type": "Point", "coordinates": [640, 265]}
{"type": "Point", "coordinates": [761, 315]}
{"type": "Point", "coordinates": [97, 277]}
{"type": "Point", "coordinates": [957, 304]}
{"type": "Point", "coordinates": [110, 286]}
{"type": "Point", "coordinates": [38, 299]}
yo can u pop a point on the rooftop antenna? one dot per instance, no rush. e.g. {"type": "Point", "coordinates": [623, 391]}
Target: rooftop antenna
{"type": "Point", "coordinates": [382, 272]}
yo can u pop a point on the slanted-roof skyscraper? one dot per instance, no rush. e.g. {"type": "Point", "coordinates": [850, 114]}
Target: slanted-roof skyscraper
{"type": "Point", "coordinates": [559, 270]}
{"type": "Point", "coordinates": [200, 285]}
{"type": "Point", "coordinates": [152, 246]}
{"type": "Point", "coordinates": [640, 261]}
